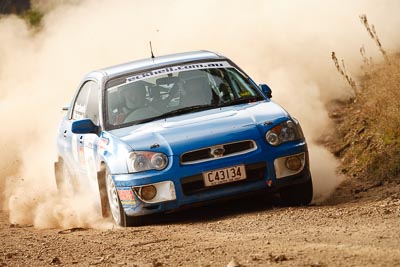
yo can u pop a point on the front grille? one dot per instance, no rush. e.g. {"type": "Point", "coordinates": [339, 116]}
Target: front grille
{"type": "Point", "coordinates": [218, 151]}
{"type": "Point", "coordinates": [195, 184]}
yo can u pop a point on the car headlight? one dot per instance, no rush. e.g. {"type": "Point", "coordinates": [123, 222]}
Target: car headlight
{"type": "Point", "coordinates": [286, 131]}
{"type": "Point", "coordinates": [139, 161]}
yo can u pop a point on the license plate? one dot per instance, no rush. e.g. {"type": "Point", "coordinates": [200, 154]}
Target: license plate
{"type": "Point", "coordinates": [225, 175]}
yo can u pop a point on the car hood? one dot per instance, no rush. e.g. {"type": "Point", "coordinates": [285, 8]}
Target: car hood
{"type": "Point", "coordinates": [179, 134]}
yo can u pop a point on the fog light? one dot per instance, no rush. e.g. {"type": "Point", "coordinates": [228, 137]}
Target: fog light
{"type": "Point", "coordinates": [289, 165]}
{"type": "Point", "coordinates": [148, 192]}
{"type": "Point", "coordinates": [155, 193]}
{"type": "Point", "coordinates": [293, 163]}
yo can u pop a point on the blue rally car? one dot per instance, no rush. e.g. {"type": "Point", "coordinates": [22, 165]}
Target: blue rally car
{"type": "Point", "coordinates": [160, 134]}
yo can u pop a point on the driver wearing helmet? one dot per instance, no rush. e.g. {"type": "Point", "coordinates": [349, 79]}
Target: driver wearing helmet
{"type": "Point", "coordinates": [135, 103]}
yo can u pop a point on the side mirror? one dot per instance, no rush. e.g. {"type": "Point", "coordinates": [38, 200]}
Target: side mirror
{"type": "Point", "coordinates": [84, 126]}
{"type": "Point", "coordinates": [266, 90]}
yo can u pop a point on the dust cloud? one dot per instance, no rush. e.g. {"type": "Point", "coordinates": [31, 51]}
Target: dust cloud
{"type": "Point", "coordinates": [286, 44]}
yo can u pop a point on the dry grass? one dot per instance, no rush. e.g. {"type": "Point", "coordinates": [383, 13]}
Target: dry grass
{"type": "Point", "coordinates": [342, 70]}
{"type": "Point", "coordinates": [369, 128]}
{"type": "Point", "coordinates": [374, 36]}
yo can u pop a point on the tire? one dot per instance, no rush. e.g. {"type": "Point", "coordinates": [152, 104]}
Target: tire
{"type": "Point", "coordinates": [115, 207]}
{"type": "Point", "coordinates": [297, 195]}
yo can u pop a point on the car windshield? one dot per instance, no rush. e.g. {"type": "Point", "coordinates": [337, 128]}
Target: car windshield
{"type": "Point", "coordinates": [176, 90]}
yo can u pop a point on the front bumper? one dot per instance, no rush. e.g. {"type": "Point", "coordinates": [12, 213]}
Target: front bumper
{"type": "Point", "coordinates": [188, 182]}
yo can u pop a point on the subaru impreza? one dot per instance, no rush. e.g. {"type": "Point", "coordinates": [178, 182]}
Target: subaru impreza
{"type": "Point", "coordinates": [170, 132]}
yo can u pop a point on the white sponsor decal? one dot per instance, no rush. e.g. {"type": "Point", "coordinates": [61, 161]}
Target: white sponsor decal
{"type": "Point", "coordinates": [194, 66]}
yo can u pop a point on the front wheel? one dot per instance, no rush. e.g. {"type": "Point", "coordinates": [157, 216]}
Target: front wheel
{"type": "Point", "coordinates": [297, 195]}
{"type": "Point", "coordinates": [115, 206]}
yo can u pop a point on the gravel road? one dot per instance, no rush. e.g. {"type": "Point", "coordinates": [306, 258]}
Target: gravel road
{"type": "Point", "coordinates": [358, 226]}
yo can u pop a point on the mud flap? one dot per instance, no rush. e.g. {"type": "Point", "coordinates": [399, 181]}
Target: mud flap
{"type": "Point", "coordinates": [58, 174]}
{"type": "Point", "coordinates": [101, 180]}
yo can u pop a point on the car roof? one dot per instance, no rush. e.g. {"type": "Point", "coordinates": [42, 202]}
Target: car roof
{"type": "Point", "coordinates": [150, 63]}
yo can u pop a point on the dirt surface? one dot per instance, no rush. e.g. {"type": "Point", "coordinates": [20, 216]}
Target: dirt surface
{"type": "Point", "coordinates": [358, 226]}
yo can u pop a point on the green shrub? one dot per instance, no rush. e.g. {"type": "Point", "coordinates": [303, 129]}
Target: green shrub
{"type": "Point", "coordinates": [33, 17]}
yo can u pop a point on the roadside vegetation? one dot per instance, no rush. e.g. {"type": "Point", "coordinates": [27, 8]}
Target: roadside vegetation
{"type": "Point", "coordinates": [33, 17]}
{"type": "Point", "coordinates": [24, 9]}
{"type": "Point", "coordinates": [368, 126]}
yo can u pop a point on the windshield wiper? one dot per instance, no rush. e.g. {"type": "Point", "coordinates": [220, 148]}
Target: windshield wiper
{"type": "Point", "coordinates": [187, 110]}
{"type": "Point", "coordinates": [180, 111]}
{"type": "Point", "coordinates": [242, 101]}
{"type": "Point", "coordinates": [190, 109]}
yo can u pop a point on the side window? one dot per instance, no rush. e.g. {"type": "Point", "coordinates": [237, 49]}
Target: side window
{"type": "Point", "coordinates": [80, 105]}
{"type": "Point", "coordinates": [240, 86]}
{"type": "Point", "coordinates": [92, 110]}
{"type": "Point", "coordinates": [86, 103]}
